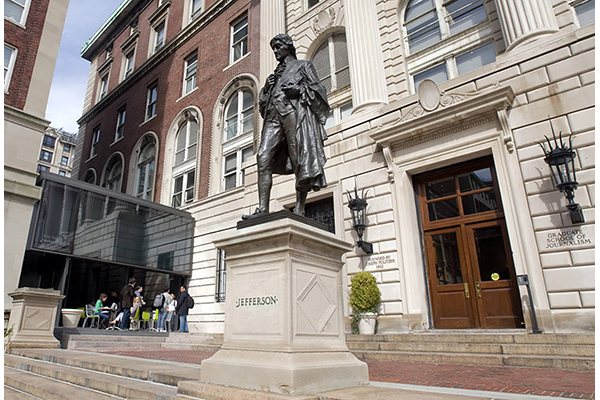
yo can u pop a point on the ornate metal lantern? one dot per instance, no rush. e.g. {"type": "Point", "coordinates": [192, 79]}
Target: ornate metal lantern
{"type": "Point", "coordinates": [358, 208]}
{"type": "Point", "coordinates": [561, 159]}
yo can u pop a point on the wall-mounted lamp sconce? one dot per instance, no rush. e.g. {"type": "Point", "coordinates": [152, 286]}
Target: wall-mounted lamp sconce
{"type": "Point", "coordinates": [561, 159]}
{"type": "Point", "coordinates": [358, 208]}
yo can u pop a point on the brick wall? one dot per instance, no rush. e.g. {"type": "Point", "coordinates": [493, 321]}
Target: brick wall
{"type": "Point", "coordinates": [27, 41]}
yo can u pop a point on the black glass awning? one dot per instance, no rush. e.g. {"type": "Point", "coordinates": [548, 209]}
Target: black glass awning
{"type": "Point", "coordinates": [90, 222]}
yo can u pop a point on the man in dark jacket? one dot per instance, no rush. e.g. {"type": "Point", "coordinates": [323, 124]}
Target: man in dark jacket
{"type": "Point", "coordinates": [182, 309]}
{"type": "Point", "coordinates": [126, 296]}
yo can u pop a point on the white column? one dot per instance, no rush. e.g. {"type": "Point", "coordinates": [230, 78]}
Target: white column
{"type": "Point", "coordinates": [367, 76]}
{"type": "Point", "coordinates": [525, 20]}
{"type": "Point", "coordinates": [272, 22]}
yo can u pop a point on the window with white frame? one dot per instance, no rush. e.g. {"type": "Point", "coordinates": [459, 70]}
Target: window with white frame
{"type": "Point", "coordinates": [120, 123]}
{"type": "Point", "coordinates": [239, 134]}
{"type": "Point", "coordinates": [41, 168]}
{"type": "Point", "coordinates": [64, 160]}
{"type": "Point", "coordinates": [113, 174]}
{"type": "Point", "coordinates": [95, 140]}
{"type": "Point", "coordinates": [331, 63]}
{"type": "Point", "coordinates": [46, 156]}
{"type": "Point", "coordinates": [585, 10]}
{"type": "Point", "coordinates": [128, 62]}
{"type": "Point", "coordinates": [430, 23]}
{"type": "Point", "coordinates": [184, 165]}
{"type": "Point", "coordinates": [62, 173]}
{"type": "Point", "coordinates": [312, 3]}
{"type": "Point", "coordinates": [338, 114]}
{"type": "Point", "coordinates": [158, 33]}
{"type": "Point", "coordinates": [239, 39]}
{"type": "Point", "coordinates": [195, 8]}
{"type": "Point", "coordinates": [189, 79]}
{"type": "Point", "coordinates": [151, 101]}
{"type": "Point", "coordinates": [67, 148]}
{"type": "Point", "coordinates": [103, 86]}
{"type": "Point", "coordinates": [145, 171]}
{"type": "Point", "coordinates": [16, 10]}
{"type": "Point", "coordinates": [10, 55]}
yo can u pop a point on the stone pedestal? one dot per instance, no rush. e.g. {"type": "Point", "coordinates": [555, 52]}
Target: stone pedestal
{"type": "Point", "coordinates": [284, 328]}
{"type": "Point", "coordinates": [33, 317]}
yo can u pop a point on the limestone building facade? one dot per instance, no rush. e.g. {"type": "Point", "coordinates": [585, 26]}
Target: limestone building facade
{"type": "Point", "coordinates": [32, 34]}
{"type": "Point", "coordinates": [438, 109]}
{"type": "Point", "coordinates": [57, 151]}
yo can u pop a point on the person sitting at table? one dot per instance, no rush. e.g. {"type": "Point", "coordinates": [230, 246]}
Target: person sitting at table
{"type": "Point", "coordinates": [101, 311]}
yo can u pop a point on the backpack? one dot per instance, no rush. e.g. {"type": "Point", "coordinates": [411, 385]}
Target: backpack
{"type": "Point", "coordinates": [159, 300]}
{"type": "Point", "coordinates": [190, 301]}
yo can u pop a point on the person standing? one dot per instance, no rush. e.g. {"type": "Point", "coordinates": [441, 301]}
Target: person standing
{"type": "Point", "coordinates": [182, 309]}
{"type": "Point", "coordinates": [162, 312]}
{"type": "Point", "coordinates": [171, 313]}
{"type": "Point", "coordinates": [126, 297]}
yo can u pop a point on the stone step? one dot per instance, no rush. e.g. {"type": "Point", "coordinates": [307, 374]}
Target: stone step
{"type": "Point", "coordinates": [13, 394]}
{"type": "Point", "coordinates": [137, 368]}
{"type": "Point", "coordinates": [538, 361]}
{"type": "Point", "coordinates": [44, 388]}
{"type": "Point", "coordinates": [105, 383]}
{"type": "Point", "coordinates": [477, 348]}
{"type": "Point", "coordinates": [192, 347]}
{"type": "Point", "coordinates": [487, 338]}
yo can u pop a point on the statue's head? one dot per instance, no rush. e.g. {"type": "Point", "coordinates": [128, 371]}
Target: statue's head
{"type": "Point", "coordinates": [284, 40]}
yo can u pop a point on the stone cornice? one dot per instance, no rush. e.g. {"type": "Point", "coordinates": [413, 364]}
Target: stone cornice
{"type": "Point", "coordinates": [159, 11]}
{"type": "Point", "coordinates": [186, 34]}
{"type": "Point", "coordinates": [454, 112]}
{"type": "Point", "coordinates": [130, 40]}
{"type": "Point", "coordinates": [22, 118]}
{"type": "Point", "coordinates": [105, 65]}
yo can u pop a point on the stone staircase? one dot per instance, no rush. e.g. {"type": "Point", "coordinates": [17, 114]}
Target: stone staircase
{"type": "Point", "coordinates": [563, 351]}
{"type": "Point", "coordinates": [514, 348]}
{"type": "Point", "coordinates": [68, 374]}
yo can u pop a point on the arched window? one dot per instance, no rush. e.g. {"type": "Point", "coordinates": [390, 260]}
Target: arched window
{"type": "Point", "coordinates": [90, 176]}
{"type": "Point", "coordinates": [424, 30]}
{"type": "Point", "coordinates": [184, 165]}
{"type": "Point", "coordinates": [331, 63]}
{"type": "Point", "coordinates": [238, 140]}
{"type": "Point", "coordinates": [113, 174]}
{"type": "Point", "coordinates": [145, 170]}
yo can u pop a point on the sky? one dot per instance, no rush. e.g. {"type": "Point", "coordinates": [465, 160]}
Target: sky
{"type": "Point", "coordinates": [84, 18]}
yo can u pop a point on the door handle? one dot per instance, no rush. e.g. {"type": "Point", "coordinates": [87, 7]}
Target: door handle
{"type": "Point", "coordinates": [478, 288]}
{"type": "Point", "coordinates": [467, 295]}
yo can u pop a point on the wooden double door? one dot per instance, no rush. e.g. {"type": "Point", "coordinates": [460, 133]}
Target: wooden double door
{"type": "Point", "coordinates": [472, 282]}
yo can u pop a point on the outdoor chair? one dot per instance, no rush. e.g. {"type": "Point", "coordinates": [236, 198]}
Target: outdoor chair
{"type": "Point", "coordinates": [82, 314]}
{"type": "Point", "coordinates": [135, 320]}
{"type": "Point", "coordinates": [91, 315]}
{"type": "Point", "coordinates": [153, 321]}
{"type": "Point", "coordinates": [145, 319]}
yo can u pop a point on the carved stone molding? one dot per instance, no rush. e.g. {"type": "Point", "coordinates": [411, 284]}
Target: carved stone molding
{"type": "Point", "coordinates": [507, 137]}
{"type": "Point", "coordinates": [389, 162]}
{"type": "Point", "coordinates": [324, 20]}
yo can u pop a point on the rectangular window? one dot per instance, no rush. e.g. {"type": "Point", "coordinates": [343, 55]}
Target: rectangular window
{"type": "Point", "coordinates": [67, 148]}
{"type": "Point", "coordinates": [196, 8]}
{"type": "Point", "coordinates": [438, 74]}
{"type": "Point", "coordinates": [129, 59]}
{"type": "Point", "coordinates": [16, 10]}
{"type": "Point", "coordinates": [95, 140]}
{"type": "Point", "coordinates": [585, 12]}
{"type": "Point", "coordinates": [312, 3]}
{"type": "Point", "coordinates": [159, 36]}
{"type": "Point", "coordinates": [221, 276]}
{"type": "Point", "coordinates": [120, 124]}
{"type": "Point", "coordinates": [46, 156]}
{"type": "Point", "coordinates": [475, 58]}
{"type": "Point", "coordinates": [183, 189]}
{"type": "Point", "coordinates": [166, 261]}
{"type": "Point", "coordinates": [233, 175]}
{"type": "Point", "coordinates": [103, 88]}
{"type": "Point", "coordinates": [189, 82]}
{"type": "Point", "coordinates": [62, 173]}
{"type": "Point", "coordinates": [48, 141]}
{"type": "Point", "coordinates": [64, 161]}
{"type": "Point", "coordinates": [10, 54]}
{"type": "Point", "coordinates": [41, 168]}
{"type": "Point", "coordinates": [463, 14]}
{"type": "Point", "coordinates": [151, 101]}
{"type": "Point", "coordinates": [239, 39]}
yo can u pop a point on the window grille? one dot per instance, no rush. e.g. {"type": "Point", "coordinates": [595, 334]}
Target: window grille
{"type": "Point", "coordinates": [221, 275]}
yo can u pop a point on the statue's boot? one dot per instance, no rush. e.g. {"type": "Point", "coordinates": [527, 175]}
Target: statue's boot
{"type": "Point", "coordinates": [257, 213]}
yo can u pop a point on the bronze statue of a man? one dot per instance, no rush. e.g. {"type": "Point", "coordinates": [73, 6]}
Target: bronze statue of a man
{"type": "Point", "coordinates": [294, 106]}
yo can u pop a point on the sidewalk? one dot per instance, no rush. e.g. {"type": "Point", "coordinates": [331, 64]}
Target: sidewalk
{"type": "Point", "coordinates": [518, 380]}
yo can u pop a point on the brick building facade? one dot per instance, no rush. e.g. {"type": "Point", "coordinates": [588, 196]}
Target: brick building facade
{"type": "Point", "coordinates": [439, 119]}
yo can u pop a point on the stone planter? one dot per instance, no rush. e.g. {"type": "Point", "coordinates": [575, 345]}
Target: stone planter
{"type": "Point", "coordinates": [367, 323]}
{"type": "Point", "coordinates": [70, 317]}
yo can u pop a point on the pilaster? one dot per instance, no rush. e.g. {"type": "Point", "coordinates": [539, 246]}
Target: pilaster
{"type": "Point", "coordinates": [272, 22]}
{"type": "Point", "coordinates": [525, 20]}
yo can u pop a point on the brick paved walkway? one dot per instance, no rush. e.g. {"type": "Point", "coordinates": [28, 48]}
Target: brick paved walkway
{"type": "Point", "coordinates": [535, 381]}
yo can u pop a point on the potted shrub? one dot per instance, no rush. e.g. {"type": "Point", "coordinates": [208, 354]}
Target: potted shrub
{"type": "Point", "coordinates": [364, 298]}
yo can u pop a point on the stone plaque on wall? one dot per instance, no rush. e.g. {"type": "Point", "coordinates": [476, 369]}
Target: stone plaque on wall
{"type": "Point", "coordinates": [572, 238]}
{"type": "Point", "coordinates": [381, 261]}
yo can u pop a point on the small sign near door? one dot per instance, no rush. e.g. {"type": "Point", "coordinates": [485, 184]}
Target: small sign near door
{"type": "Point", "coordinates": [382, 261]}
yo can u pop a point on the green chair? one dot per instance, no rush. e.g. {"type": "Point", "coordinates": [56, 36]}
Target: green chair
{"type": "Point", "coordinates": [145, 318]}
{"type": "Point", "coordinates": [135, 320]}
{"type": "Point", "coordinates": [82, 313]}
